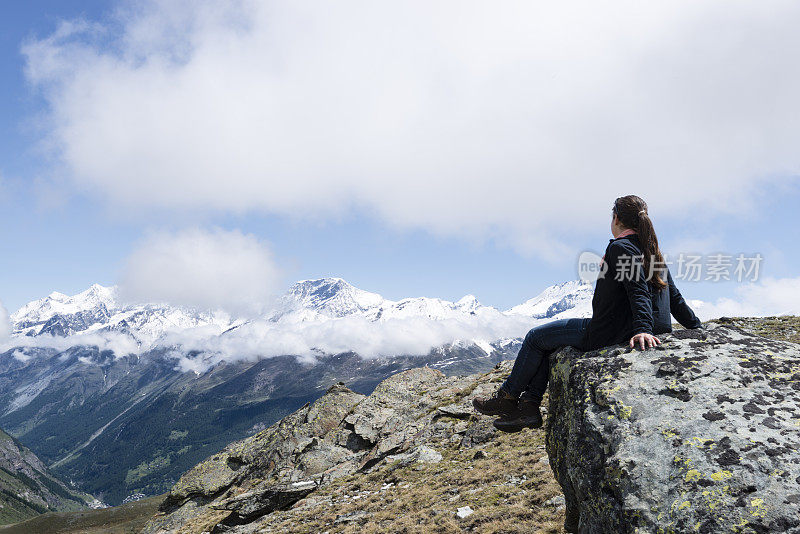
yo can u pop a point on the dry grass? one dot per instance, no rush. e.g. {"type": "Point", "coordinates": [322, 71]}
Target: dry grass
{"type": "Point", "coordinates": [124, 519]}
{"type": "Point", "coordinates": [506, 486]}
{"type": "Point", "coordinates": [784, 328]}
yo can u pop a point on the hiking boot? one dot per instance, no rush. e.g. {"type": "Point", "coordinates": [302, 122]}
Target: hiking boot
{"type": "Point", "coordinates": [502, 402]}
{"type": "Point", "coordinates": [527, 415]}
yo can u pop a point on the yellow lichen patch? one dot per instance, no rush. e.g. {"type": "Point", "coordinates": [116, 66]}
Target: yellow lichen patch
{"type": "Point", "coordinates": [684, 461]}
{"type": "Point", "coordinates": [759, 508]}
{"type": "Point", "coordinates": [701, 443]}
{"type": "Point", "coordinates": [614, 472]}
{"type": "Point", "coordinates": [740, 525]}
{"type": "Point", "coordinates": [713, 498]}
{"type": "Point", "coordinates": [679, 504]}
{"type": "Point", "coordinates": [779, 376]}
{"type": "Point", "coordinates": [669, 433]}
{"type": "Point", "coordinates": [721, 475]}
{"type": "Point", "coordinates": [692, 475]}
{"type": "Point", "coordinates": [606, 392]}
{"type": "Point", "coordinates": [623, 411]}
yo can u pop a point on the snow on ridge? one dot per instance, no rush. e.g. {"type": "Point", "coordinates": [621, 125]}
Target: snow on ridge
{"type": "Point", "coordinates": [97, 309]}
{"type": "Point", "coordinates": [312, 299]}
{"type": "Point", "coordinates": [329, 296]}
{"type": "Point", "coordinates": [578, 291]}
{"type": "Point", "coordinates": [60, 304]}
{"type": "Point", "coordinates": [326, 314]}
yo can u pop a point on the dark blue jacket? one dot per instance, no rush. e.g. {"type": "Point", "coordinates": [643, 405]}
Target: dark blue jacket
{"type": "Point", "coordinates": [626, 307]}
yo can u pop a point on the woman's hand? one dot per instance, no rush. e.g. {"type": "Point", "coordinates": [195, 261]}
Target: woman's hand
{"type": "Point", "coordinates": [642, 339]}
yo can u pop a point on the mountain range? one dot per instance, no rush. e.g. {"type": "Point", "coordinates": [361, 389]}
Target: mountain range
{"type": "Point", "coordinates": [99, 309]}
{"type": "Point", "coordinates": [98, 389]}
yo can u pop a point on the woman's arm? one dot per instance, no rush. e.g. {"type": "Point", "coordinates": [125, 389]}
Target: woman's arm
{"type": "Point", "coordinates": [678, 307]}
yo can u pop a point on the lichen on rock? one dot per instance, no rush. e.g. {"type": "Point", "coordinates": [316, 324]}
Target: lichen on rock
{"type": "Point", "coordinates": [699, 434]}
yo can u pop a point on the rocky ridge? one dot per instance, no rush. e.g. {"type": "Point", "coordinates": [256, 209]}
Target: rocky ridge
{"type": "Point", "coordinates": [335, 464]}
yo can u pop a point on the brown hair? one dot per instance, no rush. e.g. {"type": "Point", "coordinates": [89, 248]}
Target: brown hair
{"type": "Point", "coordinates": [631, 212]}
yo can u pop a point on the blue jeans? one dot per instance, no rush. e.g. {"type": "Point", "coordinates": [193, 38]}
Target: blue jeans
{"type": "Point", "coordinates": [532, 366]}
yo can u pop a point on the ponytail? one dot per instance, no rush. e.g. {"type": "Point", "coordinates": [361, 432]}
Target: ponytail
{"type": "Point", "coordinates": [632, 213]}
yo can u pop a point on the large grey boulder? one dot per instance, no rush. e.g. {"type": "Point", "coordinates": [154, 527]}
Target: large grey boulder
{"type": "Point", "coordinates": [700, 434]}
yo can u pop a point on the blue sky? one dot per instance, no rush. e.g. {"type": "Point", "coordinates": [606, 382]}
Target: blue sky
{"type": "Point", "coordinates": [402, 171]}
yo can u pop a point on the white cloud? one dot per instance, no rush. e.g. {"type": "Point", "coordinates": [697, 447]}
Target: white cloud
{"type": "Point", "coordinates": [199, 349]}
{"type": "Point", "coordinates": [21, 355]}
{"type": "Point", "coordinates": [413, 335]}
{"type": "Point", "coordinates": [214, 269]}
{"type": "Point", "coordinates": [395, 337]}
{"type": "Point", "coordinates": [120, 344]}
{"type": "Point", "coordinates": [771, 296]}
{"type": "Point", "coordinates": [456, 117]}
{"type": "Point", "coordinates": [5, 322]}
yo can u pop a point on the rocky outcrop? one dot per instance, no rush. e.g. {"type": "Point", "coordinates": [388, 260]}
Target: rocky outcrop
{"type": "Point", "coordinates": [265, 472]}
{"type": "Point", "coordinates": [343, 433]}
{"type": "Point", "coordinates": [699, 434]}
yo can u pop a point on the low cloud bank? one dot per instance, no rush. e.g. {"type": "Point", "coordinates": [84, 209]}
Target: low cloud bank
{"type": "Point", "coordinates": [409, 336]}
{"type": "Point", "coordinates": [120, 344]}
{"type": "Point", "coordinates": [770, 296]}
{"type": "Point", "coordinates": [263, 339]}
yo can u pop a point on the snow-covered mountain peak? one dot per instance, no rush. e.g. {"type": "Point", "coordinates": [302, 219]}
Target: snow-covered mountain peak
{"type": "Point", "coordinates": [320, 288]}
{"type": "Point", "coordinates": [97, 308]}
{"type": "Point", "coordinates": [57, 303]}
{"type": "Point", "coordinates": [468, 301]}
{"type": "Point", "coordinates": [573, 296]}
{"type": "Point", "coordinates": [96, 294]}
{"type": "Point", "coordinates": [331, 296]}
